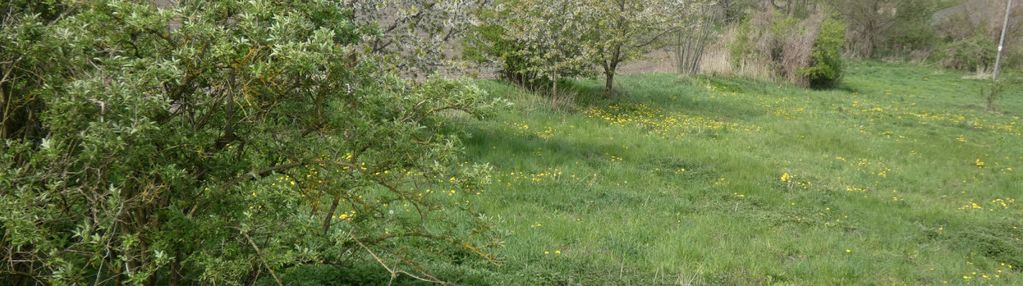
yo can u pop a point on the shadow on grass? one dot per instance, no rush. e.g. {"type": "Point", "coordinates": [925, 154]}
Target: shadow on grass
{"type": "Point", "coordinates": [664, 92]}
{"type": "Point", "coordinates": [493, 145]}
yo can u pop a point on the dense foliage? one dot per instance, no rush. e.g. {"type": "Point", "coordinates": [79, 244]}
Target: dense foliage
{"type": "Point", "coordinates": [826, 68]}
{"type": "Point", "coordinates": [537, 43]}
{"type": "Point", "coordinates": [221, 142]}
{"type": "Point", "coordinates": [26, 64]}
{"type": "Point", "coordinates": [415, 35]}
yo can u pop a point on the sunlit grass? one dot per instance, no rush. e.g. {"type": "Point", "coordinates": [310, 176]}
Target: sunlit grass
{"type": "Point", "coordinates": [900, 176]}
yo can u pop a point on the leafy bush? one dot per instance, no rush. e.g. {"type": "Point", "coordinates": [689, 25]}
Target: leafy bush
{"type": "Point", "coordinates": [221, 143]}
{"type": "Point", "coordinates": [330, 275]}
{"type": "Point", "coordinates": [976, 52]}
{"type": "Point", "coordinates": [825, 69]}
{"type": "Point", "coordinates": [26, 63]}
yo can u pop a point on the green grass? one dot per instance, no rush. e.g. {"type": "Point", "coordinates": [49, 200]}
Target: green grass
{"type": "Point", "coordinates": [678, 181]}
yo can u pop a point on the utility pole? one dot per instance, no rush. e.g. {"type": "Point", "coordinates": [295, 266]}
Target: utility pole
{"type": "Point", "coordinates": [1001, 43]}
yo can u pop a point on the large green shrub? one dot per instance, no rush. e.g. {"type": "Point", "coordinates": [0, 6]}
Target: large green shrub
{"type": "Point", "coordinates": [826, 68]}
{"type": "Point", "coordinates": [26, 63]}
{"type": "Point", "coordinates": [973, 53]}
{"type": "Point", "coordinates": [221, 142]}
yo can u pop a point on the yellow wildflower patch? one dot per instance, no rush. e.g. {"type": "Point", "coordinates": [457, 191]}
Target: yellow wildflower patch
{"type": "Point", "coordinates": [661, 123]}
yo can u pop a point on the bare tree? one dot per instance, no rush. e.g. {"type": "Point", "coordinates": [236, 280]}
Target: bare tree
{"type": "Point", "coordinates": [867, 21]}
{"type": "Point", "coordinates": [689, 44]}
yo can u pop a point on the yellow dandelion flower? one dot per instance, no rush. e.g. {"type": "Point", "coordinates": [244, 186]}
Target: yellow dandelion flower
{"type": "Point", "coordinates": [786, 177]}
{"type": "Point", "coordinates": [979, 163]}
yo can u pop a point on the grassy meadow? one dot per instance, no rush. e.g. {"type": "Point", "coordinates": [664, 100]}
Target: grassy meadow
{"type": "Point", "coordinates": [898, 177]}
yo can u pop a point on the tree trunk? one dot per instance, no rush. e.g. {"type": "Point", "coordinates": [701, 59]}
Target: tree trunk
{"type": "Point", "coordinates": [609, 82]}
{"type": "Point", "coordinates": [554, 90]}
{"type": "Point", "coordinates": [610, 68]}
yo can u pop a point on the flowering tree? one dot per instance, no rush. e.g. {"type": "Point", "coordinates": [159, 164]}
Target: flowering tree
{"type": "Point", "coordinates": [419, 35]}
{"type": "Point", "coordinates": [220, 142]}
{"type": "Point", "coordinates": [622, 30]}
{"type": "Point", "coordinates": [538, 42]}
{"type": "Point", "coordinates": [542, 41]}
